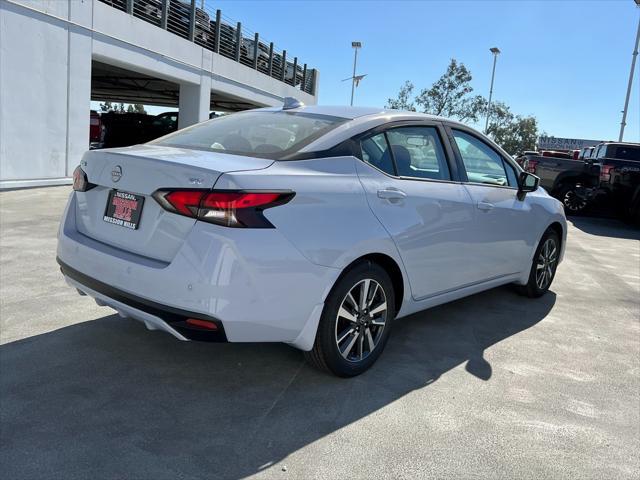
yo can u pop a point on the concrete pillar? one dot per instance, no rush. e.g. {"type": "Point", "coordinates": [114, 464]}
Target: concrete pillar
{"type": "Point", "coordinates": [79, 81]}
{"type": "Point", "coordinates": [194, 102]}
{"type": "Point", "coordinates": [46, 87]}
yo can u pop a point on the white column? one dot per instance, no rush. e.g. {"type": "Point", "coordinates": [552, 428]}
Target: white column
{"type": "Point", "coordinates": [79, 83]}
{"type": "Point", "coordinates": [194, 102]}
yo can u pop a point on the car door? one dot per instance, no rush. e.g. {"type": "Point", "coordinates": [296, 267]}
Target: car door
{"type": "Point", "coordinates": [411, 187]}
{"type": "Point", "coordinates": [503, 222]}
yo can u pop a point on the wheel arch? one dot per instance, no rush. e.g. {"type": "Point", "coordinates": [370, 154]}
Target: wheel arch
{"type": "Point", "coordinates": [390, 265]}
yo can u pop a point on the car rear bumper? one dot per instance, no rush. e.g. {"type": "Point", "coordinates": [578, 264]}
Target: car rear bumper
{"type": "Point", "coordinates": [154, 315]}
{"type": "Point", "coordinates": [255, 285]}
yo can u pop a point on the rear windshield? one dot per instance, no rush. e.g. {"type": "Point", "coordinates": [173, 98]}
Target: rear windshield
{"type": "Point", "coordinates": [274, 135]}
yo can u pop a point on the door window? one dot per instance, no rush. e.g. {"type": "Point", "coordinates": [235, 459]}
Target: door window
{"type": "Point", "coordinates": [482, 163]}
{"type": "Point", "coordinates": [418, 153]}
{"type": "Point", "coordinates": [375, 151]}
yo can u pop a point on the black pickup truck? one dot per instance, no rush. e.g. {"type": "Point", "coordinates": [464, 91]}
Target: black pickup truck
{"type": "Point", "coordinates": [573, 182]}
{"type": "Point", "coordinates": [620, 177]}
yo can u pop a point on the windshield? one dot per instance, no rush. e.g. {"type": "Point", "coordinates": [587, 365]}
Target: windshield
{"type": "Point", "coordinates": [256, 133]}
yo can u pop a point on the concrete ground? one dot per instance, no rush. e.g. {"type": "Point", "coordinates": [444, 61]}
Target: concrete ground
{"type": "Point", "coordinates": [492, 386]}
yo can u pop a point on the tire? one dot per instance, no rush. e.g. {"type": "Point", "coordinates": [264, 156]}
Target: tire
{"type": "Point", "coordinates": [347, 331]}
{"type": "Point", "coordinates": [573, 204]}
{"type": "Point", "coordinates": [534, 288]}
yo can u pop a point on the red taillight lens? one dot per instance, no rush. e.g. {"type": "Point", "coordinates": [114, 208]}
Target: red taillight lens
{"type": "Point", "coordinates": [185, 202]}
{"type": "Point", "coordinates": [530, 166]}
{"type": "Point", "coordinates": [605, 173]}
{"type": "Point", "coordinates": [228, 208]}
{"type": "Point", "coordinates": [80, 180]}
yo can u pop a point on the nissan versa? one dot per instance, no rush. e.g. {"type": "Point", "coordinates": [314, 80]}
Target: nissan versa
{"type": "Point", "coordinates": [313, 226]}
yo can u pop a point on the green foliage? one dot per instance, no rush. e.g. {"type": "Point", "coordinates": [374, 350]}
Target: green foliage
{"type": "Point", "coordinates": [404, 99]}
{"type": "Point", "coordinates": [451, 96]}
{"type": "Point", "coordinates": [512, 132]}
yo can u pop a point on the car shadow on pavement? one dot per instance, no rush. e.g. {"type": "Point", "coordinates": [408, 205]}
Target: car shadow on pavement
{"type": "Point", "coordinates": [606, 227]}
{"type": "Point", "coordinates": [108, 399]}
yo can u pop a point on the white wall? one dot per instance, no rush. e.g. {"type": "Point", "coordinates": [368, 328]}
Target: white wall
{"type": "Point", "coordinates": [46, 49]}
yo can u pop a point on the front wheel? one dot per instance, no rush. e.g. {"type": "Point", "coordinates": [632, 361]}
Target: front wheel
{"type": "Point", "coordinates": [355, 322]}
{"type": "Point", "coordinates": [543, 269]}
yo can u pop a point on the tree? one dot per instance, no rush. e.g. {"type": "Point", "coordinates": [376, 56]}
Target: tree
{"type": "Point", "coordinates": [514, 133]}
{"type": "Point", "coordinates": [450, 96]}
{"type": "Point", "coordinates": [404, 99]}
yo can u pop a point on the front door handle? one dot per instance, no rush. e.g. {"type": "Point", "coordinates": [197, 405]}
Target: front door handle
{"type": "Point", "coordinates": [485, 206]}
{"type": "Point", "coordinates": [391, 194]}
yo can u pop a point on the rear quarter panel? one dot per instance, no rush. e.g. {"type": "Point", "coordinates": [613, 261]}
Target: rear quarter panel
{"type": "Point", "coordinates": [329, 220]}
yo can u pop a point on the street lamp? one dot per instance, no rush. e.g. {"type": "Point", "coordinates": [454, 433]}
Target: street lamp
{"type": "Point", "coordinates": [495, 51]}
{"type": "Point", "coordinates": [633, 67]}
{"type": "Point", "coordinates": [356, 46]}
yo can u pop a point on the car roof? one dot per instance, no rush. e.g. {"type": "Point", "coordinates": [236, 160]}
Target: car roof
{"type": "Point", "coordinates": [352, 113]}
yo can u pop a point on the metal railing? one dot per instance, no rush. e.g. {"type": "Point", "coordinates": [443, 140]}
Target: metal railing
{"type": "Point", "coordinates": [196, 21]}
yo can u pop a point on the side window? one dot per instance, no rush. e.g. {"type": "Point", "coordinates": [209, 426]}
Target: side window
{"type": "Point", "coordinates": [482, 163]}
{"type": "Point", "coordinates": [375, 151]}
{"type": "Point", "coordinates": [418, 153]}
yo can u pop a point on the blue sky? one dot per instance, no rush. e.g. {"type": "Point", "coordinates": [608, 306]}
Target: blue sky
{"type": "Point", "coordinates": [566, 62]}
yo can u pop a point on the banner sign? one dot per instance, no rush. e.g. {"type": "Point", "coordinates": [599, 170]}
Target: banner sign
{"type": "Point", "coordinates": [557, 143]}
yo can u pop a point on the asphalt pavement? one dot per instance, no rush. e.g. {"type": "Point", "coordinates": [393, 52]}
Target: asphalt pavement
{"type": "Point", "coordinates": [491, 386]}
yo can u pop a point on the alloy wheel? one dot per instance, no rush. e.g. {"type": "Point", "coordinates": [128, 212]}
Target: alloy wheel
{"type": "Point", "coordinates": [574, 202]}
{"type": "Point", "coordinates": [361, 319]}
{"type": "Point", "coordinates": [545, 265]}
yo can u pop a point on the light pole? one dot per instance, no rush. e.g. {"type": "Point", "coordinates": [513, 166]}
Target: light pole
{"type": "Point", "coordinates": [495, 51]}
{"type": "Point", "coordinates": [356, 46]}
{"type": "Point", "coordinates": [633, 67]}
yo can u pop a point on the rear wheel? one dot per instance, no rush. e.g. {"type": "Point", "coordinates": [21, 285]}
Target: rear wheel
{"type": "Point", "coordinates": [543, 270]}
{"type": "Point", "coordinates": [355, 323]}
{"type": "Point", "coordinates": [572, 198]}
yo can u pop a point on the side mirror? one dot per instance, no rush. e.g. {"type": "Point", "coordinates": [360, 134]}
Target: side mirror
{"type": "Point", "coordinates": [527, 182]}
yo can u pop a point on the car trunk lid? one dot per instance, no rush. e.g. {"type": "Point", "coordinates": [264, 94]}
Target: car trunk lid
{"type": "Point", "coordinates": [137, 172]}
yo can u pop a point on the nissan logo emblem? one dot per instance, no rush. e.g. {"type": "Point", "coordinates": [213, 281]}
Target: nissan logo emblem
{"type": "Point", "coordinates": [116, 173]}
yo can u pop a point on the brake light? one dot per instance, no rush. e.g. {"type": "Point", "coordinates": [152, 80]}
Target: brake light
{"type": "Point", "coordinates": [80, 181]}
{"type": "Point", "coordinates": [530, 166]}
{"type": "Point", "coordinates": [605, 173]}
{"type": "Point", "coordinates": [237, 208]}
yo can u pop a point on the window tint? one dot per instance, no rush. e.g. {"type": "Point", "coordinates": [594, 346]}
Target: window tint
{"type": "Point", "coordinates": [628, 152]}
{"type": "Point", "coordinates": [482, 163]}
{"type": "Point", "coordinates": [376, 152]}
{"type": "Point", "coordinates": [259, 133]}
{"type": "Point", "coordinates": [418, 153]}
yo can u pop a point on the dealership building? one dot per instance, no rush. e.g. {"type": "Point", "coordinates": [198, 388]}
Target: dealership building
{"type": "Point", "coordinates": [58, 56]}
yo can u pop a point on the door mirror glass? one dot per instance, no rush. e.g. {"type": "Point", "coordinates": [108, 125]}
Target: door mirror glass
{"type": "Point", "coordinates": [527, 182]}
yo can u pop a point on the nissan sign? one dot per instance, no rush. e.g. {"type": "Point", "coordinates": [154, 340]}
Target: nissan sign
{"type": "Point", "coordinates": [557, 143]}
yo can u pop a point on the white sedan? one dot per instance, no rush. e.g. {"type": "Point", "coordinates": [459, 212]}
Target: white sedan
{"type": "Point", "coordinates": [313, 226]}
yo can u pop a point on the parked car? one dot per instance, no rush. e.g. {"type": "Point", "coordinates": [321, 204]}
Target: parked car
{"type": "Point", "coordinates": [180, 18]}
{"type": "Point", "coordinates": [620, 176]}
{"type": "Point", "coordinates": [263, 52]}
{"type": "Point", "coordinates": [585, 153]}
{"type": "Point", "coordinates": [573, 182]}
{"type": "Point", "coordinates": [124, 129]}
{"type": "Point", "coordinates": [96, 130]}
{"type": "Point", "coordinates": [314, 226]}
{"type": "Point", "coordinates": [555, 154]}
{"type": "Point", "coordinates": [162, 124]}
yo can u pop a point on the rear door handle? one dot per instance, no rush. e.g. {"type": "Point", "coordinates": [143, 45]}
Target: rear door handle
{"type": "Point", "coordinates": [486, 206]}
{"type": "Point", "coordinates": [391, 194]}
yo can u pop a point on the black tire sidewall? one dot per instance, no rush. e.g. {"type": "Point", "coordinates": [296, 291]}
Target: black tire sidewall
{"type": "Point", "coordinates": [326, 329]}
{"type": "Point", "coordinates": [532, 286]}
{"type": "Point", "coordinates": [563, 192]}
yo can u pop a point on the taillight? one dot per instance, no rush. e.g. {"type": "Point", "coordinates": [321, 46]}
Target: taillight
{"type": "Point", "coordinates": [230, 208]}
{"type": "Point", "coordinates": [530, 166]}
{"type": "Point", "coordinates": [80, 181]}
{"type": "Point", "coordinates": [605, 173]}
